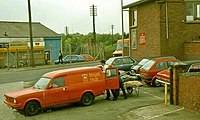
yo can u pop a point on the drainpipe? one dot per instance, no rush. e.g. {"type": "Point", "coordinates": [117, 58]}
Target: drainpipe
{"type": "Point", "coordinates": [167, 21]}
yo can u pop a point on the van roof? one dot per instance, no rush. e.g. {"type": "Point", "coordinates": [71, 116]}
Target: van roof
{"type": "Point", "coordinates": [62, 72]}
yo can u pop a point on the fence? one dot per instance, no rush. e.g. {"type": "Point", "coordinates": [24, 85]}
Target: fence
{"type": "Point", "coordinates": [19, 56]}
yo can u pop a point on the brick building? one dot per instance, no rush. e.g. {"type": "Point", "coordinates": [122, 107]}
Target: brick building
{"type": "Point", "coordinates": [164, 27]}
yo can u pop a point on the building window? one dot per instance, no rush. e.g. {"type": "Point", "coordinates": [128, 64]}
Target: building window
{"type": "Point", "coordinates": [134, 18]}
{"type": "Point", "coordinates": [133, 38]}
{"type": "Point", "coordinates": [192, 10]}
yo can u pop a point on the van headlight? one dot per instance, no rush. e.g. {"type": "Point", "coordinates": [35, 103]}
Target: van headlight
{"type": "Point", "coordinates": [14, 100]}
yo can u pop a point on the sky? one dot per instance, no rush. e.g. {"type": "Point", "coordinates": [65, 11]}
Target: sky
{"type": "Point", "coordinates": [75, 14]}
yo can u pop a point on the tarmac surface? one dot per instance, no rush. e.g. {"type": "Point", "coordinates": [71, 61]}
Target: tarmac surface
{"type": "Point", "coordinates": [153, 112]}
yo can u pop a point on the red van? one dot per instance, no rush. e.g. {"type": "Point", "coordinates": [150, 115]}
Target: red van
{"type": "Point", "coordinates": [63, 87]}
{"type": "Point", "coordinates": [152, 67]}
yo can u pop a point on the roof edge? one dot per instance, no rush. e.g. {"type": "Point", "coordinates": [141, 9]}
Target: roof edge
{"type": "Point", "coordinates": [135, 3]}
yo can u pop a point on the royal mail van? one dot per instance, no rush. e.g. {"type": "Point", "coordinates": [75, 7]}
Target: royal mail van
{"type": "Point", "coordinates": [63, 87]}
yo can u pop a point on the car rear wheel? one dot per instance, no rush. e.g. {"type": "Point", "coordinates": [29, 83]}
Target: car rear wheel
{"type": "Point", "coordinates": [32, 108]}
{"type": "Point", "coordinates": [87, 99]}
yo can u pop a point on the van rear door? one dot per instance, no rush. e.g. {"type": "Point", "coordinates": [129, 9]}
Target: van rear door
{"type": "Point", "coordinates": [112, 78]}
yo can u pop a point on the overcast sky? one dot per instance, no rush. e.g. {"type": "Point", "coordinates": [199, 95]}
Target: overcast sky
{"type": "Point", "coordinates": [56, 14]}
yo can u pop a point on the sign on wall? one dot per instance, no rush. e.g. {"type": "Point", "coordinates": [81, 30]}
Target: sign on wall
{"type": "Point", "coordinates": [142, 38]}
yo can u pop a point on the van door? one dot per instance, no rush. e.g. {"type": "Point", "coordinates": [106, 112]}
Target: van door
{"type": "Point", "coordinates": [112, 78]}
{"type": "Point", "coordinates": [57, 94]}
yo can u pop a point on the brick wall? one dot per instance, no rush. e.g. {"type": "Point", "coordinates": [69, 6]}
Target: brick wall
{"type": "Point", "coordinates": [192, 50]}
{"type": "Point", "coordinates": [189, 91]}
{"type": "Point", "coordinates": [151, 19]}
{"type": "Point", "coordinates": [146, 24]}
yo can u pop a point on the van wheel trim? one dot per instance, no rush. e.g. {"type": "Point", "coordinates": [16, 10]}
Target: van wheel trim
{"type": "Point", "coordinates": [87, 99]}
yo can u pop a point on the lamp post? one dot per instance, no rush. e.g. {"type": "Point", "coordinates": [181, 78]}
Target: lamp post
{"type": "Point", "coordinates": [31, 37]}
{"type": "Point", "coordinates": [122, 27]}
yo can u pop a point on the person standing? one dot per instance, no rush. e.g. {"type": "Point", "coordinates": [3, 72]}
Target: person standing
{"type": "Point", "coordinates": [60, 57]}
{"type": "Point", "coordinates": [103, 62]}
{"type": "Point", "coordinates": [121, 85]}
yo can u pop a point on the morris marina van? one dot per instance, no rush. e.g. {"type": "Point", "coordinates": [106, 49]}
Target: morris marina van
{"type": "Point", "coordinates": [63, 87]}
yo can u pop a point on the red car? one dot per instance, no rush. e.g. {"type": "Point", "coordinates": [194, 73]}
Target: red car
{"type": "Point", "coordinates": [151, 68]}
{"type": "Point", "coordinates": [164, 76]}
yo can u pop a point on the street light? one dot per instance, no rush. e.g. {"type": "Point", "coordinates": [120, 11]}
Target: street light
{"type": "Point", "coordinates": [122, 27]}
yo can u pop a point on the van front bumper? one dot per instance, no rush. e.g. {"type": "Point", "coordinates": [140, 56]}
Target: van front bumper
{"type": "Point", "coordinates": [14, 105]}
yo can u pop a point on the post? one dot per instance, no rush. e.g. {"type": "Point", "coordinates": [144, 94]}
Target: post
{"type": "Point", "coordinates": [8, 65]}
{"type": "Point", "coordinates": [122, 27]}
{"type": "Point", "coordinates": [93, 13]}
{"type": "Point", "coordinates": [51, 61]}
{"type": "Point", "coordinates": [166, 96]}
{"type": "Point", "coordinates": [17, 58]}
{"type": "Point", "coordinates": [171, 85]}
{"type": "Point", "coordinates": [31, 38]}
{"type": "Point", "coordinates": [112, 27]}
{"type": "Point", "coordinates": [70, 53]}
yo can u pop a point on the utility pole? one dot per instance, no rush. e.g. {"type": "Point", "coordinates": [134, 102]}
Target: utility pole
{"type": "Point", "coordinates": [93, 13]}
{"type": "Point", "coordinates": [112, 27]}
{"type": "Point", "coordinates": [122, 27]}
{"type": "Point", "coordinates": [31, 37]}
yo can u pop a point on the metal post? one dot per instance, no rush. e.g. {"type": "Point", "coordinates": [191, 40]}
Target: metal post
{"type": "Point", "coordinates": [8, 65]}
{"type": "Point", "coordinates": [171, 86]}
{"type": "Point", "coordinates": [166, 94]}
{"type": "Point", "coordinates": [122, 27]}
{"type": "Point", "coordinates": [31, 38]}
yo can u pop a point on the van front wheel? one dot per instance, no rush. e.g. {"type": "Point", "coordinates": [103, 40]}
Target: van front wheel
{"type": "Point", "coordinates": [32, 108]}
{"type": "Point", "coordinates": [87, 99]}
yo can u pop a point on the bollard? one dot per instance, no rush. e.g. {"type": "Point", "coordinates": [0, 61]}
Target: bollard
{"type": "Point", "coordinates": [166, 96]}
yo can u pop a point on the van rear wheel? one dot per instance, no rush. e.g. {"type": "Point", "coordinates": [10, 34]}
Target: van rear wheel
{"type": "Point", "coordinates": [87, 99]}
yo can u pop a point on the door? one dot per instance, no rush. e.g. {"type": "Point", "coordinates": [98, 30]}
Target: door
{"type": "Point", "coordinates": [57, 93]}
{"type": "Point", "coordinates": [112, 78]}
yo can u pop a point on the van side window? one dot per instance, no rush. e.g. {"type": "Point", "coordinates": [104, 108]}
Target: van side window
{"type": "Point", "coordinates": [58, 82]}
{"type": "Point", "coordinates": [111, 73]}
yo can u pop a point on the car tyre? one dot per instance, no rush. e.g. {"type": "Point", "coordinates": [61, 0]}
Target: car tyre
{"type": "Point", "coordinates": [87, 99]}
{"type": "Point", "coordinates": [32, 108]}
{"type": "Point", "coordinates": [156, 83]}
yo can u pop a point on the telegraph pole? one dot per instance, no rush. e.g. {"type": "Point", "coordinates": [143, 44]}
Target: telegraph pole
{"type": "Point", "coordinates": [112, 27]}
{"type": "Point", "coordinates": [93, 13]}
{"type": "Point", "coordinates": [31, 36]}
{"type": "Point", "coordinates": [122, 27]}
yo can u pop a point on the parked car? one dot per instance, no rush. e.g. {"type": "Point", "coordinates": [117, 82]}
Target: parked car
{"type": "Point", "coordinates": [152, 67]}
{"type": "Point", "coordinates": [164, 75]}
{"type": "Point", "coordinates": [72, 58]}
{"type": "Point", "coordinates": [87, 57]}
{"type": "Point", "coordinates": [135, 70]}
{"type": "Point", "coordinates": [122, 62]}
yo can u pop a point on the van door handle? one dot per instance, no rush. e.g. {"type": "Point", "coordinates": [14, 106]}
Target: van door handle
{"type": "Point", "coordinates": [64, 89]}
